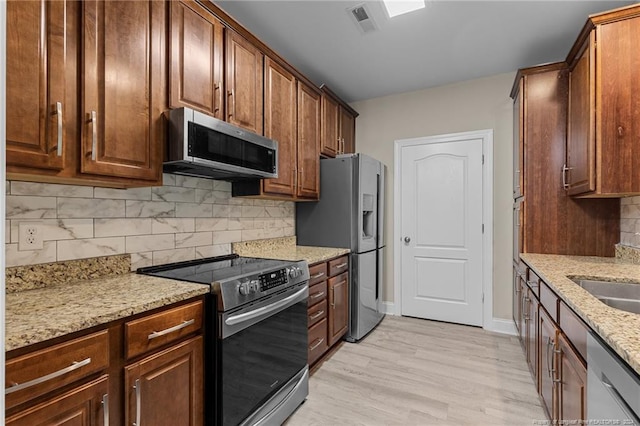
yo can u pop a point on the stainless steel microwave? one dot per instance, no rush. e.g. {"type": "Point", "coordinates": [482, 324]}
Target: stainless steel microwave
{"type": "Point", "coordinates": [201, 145]}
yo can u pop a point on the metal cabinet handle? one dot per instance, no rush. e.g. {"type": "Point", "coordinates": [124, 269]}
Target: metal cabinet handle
{"type": "Point", "coordinates": [316, 295]}
{"type": "Point", "coordinates": [318, 275]}
{"type": "Point", "coordinates": [565, 169]}
{"type": "Point", "coordinates": [94, 135]}
{"type": "Point", "coordinates": [232, 111]}
{"type": "Point", "coordinates": [138, 389]}
{"type": "Point", "coordinates": [333, 299]}
{"type": "Point", "coordinates": [184, 324]}
{"type": "Point", "coordinates": [216, 88]}
{"type": "Point", "coordinates": [317, 344]}
{"type": "Point", "coordinates": [15, 387]}
{"type": "Point", "coordinates": [550, 345]}
{"type": "Point", "coordinates": [342, 265]}
{"type": "Point", "coordinates": [316, 315]}
{"type": "Point", "coordinates": [301, 171]}
{"type": "Point", "coordinates": [59, 114]}
{"type": "Point", "coordinates": [105, 409]}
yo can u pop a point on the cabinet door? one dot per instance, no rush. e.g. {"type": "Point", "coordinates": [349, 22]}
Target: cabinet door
{"type": "Point", "coordinates": [40, 87]}
{"type": "Point", "coordinates": [347, 131]}
{"type": "Point", "coordinates": [86, 405]}
{"type": "Point", "coordinates": [124, 86]}
{"type": "Point", "coordinates": [580, 176]}
{"type": "Point", "coordinates": [572, 384]}
{"type": "Point", "coordinates": [338, 307]}
{"type": "Point", "coordinates": [196, 59]}
{"type": "Point", "coordinates": [280, 124]}
{"type": "Point", "coordinates": [518, 230]}
{"type": "Point", "coordinates": [546, 347]}
{"type": "Point", "coordinates": [330, 138]}
{"type": "Point", "coordinates": [517, 299]}
{"type": "Point", "coordinates": [308, 142]}
{"type": "Point", "coordinates": [532, 329]}
{"type": "Point", "coordinates": [618, 106]}
{"type": "Point", "coordinates": [243, 79]}
{"type": "Point", "coordinates": [165, 389]}
{"type": "Point", "coordinates": [518, 140]}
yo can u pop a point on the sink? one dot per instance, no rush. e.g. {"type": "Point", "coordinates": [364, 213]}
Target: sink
{"type": "Point", "coordinates": [623, 296]}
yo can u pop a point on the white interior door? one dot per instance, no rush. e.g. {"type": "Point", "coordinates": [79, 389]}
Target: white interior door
{"type": "Point", "coordinates": [441, 212]}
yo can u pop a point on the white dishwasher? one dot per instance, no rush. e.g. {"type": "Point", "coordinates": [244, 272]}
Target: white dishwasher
{"type": "Point", "coordinates": [613, 389]}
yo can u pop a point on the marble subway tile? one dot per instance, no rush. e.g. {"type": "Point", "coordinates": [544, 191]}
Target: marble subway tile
{"type": "Point", "coordinates": [220, 210]}
{"type": "Point", "coordinates": [626, 200]}
{"type": "Point", "coordinates": [7, 231]}
{"type": "Point", "coordinates": [168, 179]}
{"type": "Point", "coordinates": [630, 211]}
{"type": "Point", "coordinates": [276, 211]}
{"type": "Point", "coordinates": [7, 188]}
{"type": "Point", "coordinates": [193, 210]}
{"type": "Point", "coordinates": [259, 223]}
{"type": "Point", "coordinates": [57, 229]}
{"type": "Point", "coordinates": [193, 182]}
{"type": "Point", "coordinates": [123, 194]}
{"type": "Point", "coordinates": [222, 237]}
{"type": "Point", "coordinates": [253, 211]}
{"type": "Point", "coordinates": [150, 209]}
{"type": "Point", "coordinates": [241, 223]}
{"type": "Point", "coordinates": [635, 200]}
{"type": "Point", "coordinates": [212, 197]}
{"type": "Point", "coordinates": [234, 211]}
{"type": "Point", "coordinates": [194, 239]}
{"type": "Point", "coordinates": [273, 232]}
{"type": "Point", "coordinates": [214, 250]}
{"type": "Point", "coordinates": [143, 243]}
{"type": "Point", "coordinates": [253, 234]}
{"type": "Point", "coordinates": [141, 260]}
{"type": "Point", "coordinates": [289, 231]}
{"type": "Point", "coordinates": [161, 257]}
{"type": "Point", "coordinates": [627, 225]}
{"type": "Point", "coordinates": [221, 185]}
{"type": "Point", "coordinates": [122, 227]}
{"type": "Point", "coordinates": [50, 190]}
{"type": "Point", "coordinates": [90, 208]}
{"type": "Point", "coordinates": [14, 257]}
{"type": "Point", "coordinates": [161, 225]}
{"type": "Point", "coordinates": [93, 247]}
{"type": "Point", "coordinates": [239, 201]}
{"type": "Point", "coordinates": [173, 194]}
{"type": "Point", "coordinates": [28, 207]}
{"type": "Point", "coordinates": [212, 224]}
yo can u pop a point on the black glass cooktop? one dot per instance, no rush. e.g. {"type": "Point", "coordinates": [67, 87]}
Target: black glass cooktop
{"type": "Point", "coordinates": [214, 269]}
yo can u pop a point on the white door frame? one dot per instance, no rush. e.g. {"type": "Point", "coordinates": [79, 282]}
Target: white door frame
{"type": "Point", "coordinates": [487, 214]}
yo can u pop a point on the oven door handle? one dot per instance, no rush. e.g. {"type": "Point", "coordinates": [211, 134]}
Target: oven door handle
{"type": "Point", "coordinates": [265, 311]}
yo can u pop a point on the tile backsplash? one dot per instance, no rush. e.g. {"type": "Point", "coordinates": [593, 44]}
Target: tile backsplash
{"type": "Point", "coordinates": [630, 221]}
{"type": "Point", "coordinates": [186, 218]}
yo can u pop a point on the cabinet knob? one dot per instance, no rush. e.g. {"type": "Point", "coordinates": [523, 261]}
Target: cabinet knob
{"type": "Point", "coordinates": [407, 240]}
{"type": "Point", "coordinates": [620, 131]}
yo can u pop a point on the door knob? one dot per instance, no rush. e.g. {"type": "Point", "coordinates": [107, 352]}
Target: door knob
{"type": "Point", "coordinates": [407, 240]}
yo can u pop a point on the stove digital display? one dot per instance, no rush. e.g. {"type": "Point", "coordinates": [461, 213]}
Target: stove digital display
{"type": "Point", "coordinates": [273, 279]}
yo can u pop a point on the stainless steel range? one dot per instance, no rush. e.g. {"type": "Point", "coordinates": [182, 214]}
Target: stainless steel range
{"type": "Point", "coordinates": [256, 361]}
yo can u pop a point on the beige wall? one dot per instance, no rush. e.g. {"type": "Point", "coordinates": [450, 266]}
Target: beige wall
{"type": "Point", "coordinates": [471, 105]}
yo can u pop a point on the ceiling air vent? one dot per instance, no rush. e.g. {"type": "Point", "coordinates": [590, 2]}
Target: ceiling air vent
{"type": "Point", "coordinates": [362, 17]}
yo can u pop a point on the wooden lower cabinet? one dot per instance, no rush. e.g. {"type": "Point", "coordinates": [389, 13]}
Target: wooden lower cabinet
{"type": "Point", "coordinates": [571, 383]}
{"type": "Point", "coordinates": [328, 312]}
{"type": "Point", "coordinates": [531, 321]}
{"type": "Point", "coordinates": [546, 347]}
{"type": "Point", "coordinates": [166, 388]}
{"type": "Point", "coordinates": [85, 405]}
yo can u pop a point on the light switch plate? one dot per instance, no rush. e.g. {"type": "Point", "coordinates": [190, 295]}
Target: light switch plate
{"type": "Point", "coordinates": [30, 236]}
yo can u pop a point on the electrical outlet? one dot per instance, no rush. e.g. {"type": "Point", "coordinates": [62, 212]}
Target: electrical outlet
{"type": "Point", "coordinates": [30, 236]}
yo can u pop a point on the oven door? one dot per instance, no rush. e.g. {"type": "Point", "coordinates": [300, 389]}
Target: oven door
{"type": "Point", "coordinates": [261, 347]}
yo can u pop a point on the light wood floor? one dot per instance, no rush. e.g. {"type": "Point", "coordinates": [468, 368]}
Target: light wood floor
{"type": "Point", "coordinates": [415, 372]}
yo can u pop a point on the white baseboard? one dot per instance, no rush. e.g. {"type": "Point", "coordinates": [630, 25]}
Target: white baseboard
{"type": "Point", "coordinates": [388, 308]}
{"type": "Point", "coordinates": [503, 326]}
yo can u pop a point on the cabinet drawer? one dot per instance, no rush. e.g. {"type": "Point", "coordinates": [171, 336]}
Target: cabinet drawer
{"type": "Point", "coordinates": [574, 329]}
{"type": "Point", "coordinates": [156, 330]}
{"type": "Point", "coordinates": [533, 282]}
{"type": "Point", "coordinates": [549, 300]}
{"type": "Point", "coordinates": [52, 368]}
{"type": "Point", "coordinates": [338, 266]}
{"type": "Point", "coordinates": [317, 273]}
{"type": "Point", "coordinates": [317, 293]}
{"type": "Point", "coordinates": [317, 341]}
{"type": "Point", "coordinates": [317, 312]}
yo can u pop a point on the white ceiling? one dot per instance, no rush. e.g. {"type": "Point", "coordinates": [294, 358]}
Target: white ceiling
{"type": "Point", "coordinates": [448, 41]}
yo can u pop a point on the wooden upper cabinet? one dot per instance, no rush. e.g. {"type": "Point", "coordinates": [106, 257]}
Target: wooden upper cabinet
{"type": "Point", "coordinates": [518, 140]}
{"type": "Point", "coordinates": [347, 131]}
{"type": "Point", "coordinates": [280, 97]}
{"type": "Point", "coordinates": [40, 86]}
{"type": "Point", "coordinates": [196, 59]}
{"type": "Point", "coordinates": [308, 142]}
{"type": "Point", "coordinates": [603, 152]}
{"type": "Point", "coordinates": [244, 83]}
{"type": "Point", "coordinates": [330, 121]}
{"type": "Point", "coordinates": [124, 86]}
{"type": "Point", "coordinates": [579, 176]}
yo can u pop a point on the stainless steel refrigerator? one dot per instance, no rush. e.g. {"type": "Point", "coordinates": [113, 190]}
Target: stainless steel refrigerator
{"type": "Point", "coordinates": [350, 215]}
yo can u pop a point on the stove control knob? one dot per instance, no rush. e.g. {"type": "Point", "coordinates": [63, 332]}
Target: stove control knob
{"type": "Point", "coordinates": [244, 288]}
{"type": "Point", "coordinates": [254, 286]}
{"type": "Point", "coordinates": [294, 272]}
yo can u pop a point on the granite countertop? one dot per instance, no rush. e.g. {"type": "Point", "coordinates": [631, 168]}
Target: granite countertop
{"type": "Point", "coordinates": [286, 249]}
{"type": "Point", "coordinates": [36, 315]}
{"type": "Point", "coordinates": [620, 329]}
